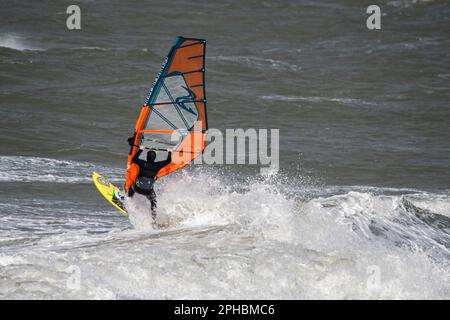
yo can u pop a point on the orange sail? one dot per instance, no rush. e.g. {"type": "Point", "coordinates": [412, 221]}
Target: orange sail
{"type": "Point", "coordinates": [174, 113]}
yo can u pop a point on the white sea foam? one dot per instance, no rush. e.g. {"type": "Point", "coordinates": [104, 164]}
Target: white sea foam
{"type": "Point", "coordinates": [36, 169]}
{"type": "Point", "coordinates": [15, 42]}
{"type": "Point", "coordinates": [407, 3]}
{"type": "Point", "coordinates": [258, 62]}
{"type": "Point", "coordinates": [345, 101]}
{"type": "Point", "coordinates": [219, 239]}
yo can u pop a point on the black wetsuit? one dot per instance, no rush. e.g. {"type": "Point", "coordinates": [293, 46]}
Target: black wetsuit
{"type": "Point", "coordinates": [146, 179]}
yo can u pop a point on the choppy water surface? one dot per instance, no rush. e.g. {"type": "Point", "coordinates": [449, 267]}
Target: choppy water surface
{"type": "Point", "coordinates": [360, 208]}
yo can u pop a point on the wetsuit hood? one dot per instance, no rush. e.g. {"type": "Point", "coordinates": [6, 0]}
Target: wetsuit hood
{"type": "Point", "coordinates": [151, 156]}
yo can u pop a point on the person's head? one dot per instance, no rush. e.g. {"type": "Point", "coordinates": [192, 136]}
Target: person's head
{"type": "Point", "coordinates": [151, 155]}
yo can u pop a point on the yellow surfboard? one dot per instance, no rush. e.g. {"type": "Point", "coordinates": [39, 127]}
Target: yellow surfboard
{"type": "Point", "coordinates": [108, 190]}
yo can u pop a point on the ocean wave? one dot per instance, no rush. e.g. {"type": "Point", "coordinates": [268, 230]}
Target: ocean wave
{"type": "Point", "coordinates": [336, 238]}
{"type": "Point", "coordinates": [258, 62]}
{"type": "Point", "coordinates": [16, 43]}
{"type": "Point", "coordinates": [344, 101]}
{"type": "Point", "coordinates": [407, 3]}
{"type": "Point", "coordinates": [36, 169]}
{"type": "Point", "coordinates": [221, 237]}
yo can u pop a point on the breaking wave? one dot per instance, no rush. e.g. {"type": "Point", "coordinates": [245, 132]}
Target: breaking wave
{"type": "Point", "coordinates": [36, 169]}
{"type": "Point", "coordinates": [218, 236]}
{"type": "Point", "coordinates": [16, 43]}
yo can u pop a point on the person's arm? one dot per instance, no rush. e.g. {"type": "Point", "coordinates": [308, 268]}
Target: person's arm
{"type": "Point", "coordinates": [136, 159]}
{"type": "Point", "coordinates": [161, 164]}
{"type": "Point", "coordinates": [168, 160]}
{"type": "Point", "coordinates": [169, 156]}
{"type": "Point", "coordinates": [131, 143]}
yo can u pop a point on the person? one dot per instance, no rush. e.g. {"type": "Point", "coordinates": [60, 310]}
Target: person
{"type": "Point", "coordinates": [146, 178]}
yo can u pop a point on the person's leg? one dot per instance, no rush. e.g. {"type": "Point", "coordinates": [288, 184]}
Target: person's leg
{"type": "Point", "coordinates": [152, 197]}
{"type": "Point", "coordinates": [131, 192]}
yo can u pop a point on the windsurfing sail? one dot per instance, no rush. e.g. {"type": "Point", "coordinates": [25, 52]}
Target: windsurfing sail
{"type": "Point", "coordinates": [174, 113]}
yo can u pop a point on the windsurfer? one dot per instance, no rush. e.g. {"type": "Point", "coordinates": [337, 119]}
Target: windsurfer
{"type": "Point", "coordinates": [147, 171]}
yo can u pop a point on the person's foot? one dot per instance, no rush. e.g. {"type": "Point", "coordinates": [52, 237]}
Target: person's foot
{"type": "Point", "coordinates": [119, 195]}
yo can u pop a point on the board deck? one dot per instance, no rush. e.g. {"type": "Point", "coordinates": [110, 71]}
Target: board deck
{"type": "Point", "coordinates": [108, 190]}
